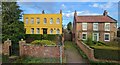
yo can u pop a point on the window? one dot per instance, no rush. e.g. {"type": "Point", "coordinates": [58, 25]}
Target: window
{"type": "Point", "coordinates": [107, 37]}
{"type": "Point", "coordinates": [32, 30]}
{"type": "Point", "coordinates": [84, 26]}
{"type": "Point", "coordinates": [58, 31]}
{"type": "Point", "coordinates": [58, 21]}
{"type": "Point", "coordinates": [38, 30]}
{"type": "Point", "coordinates": [84, 36]}
{"type": "Point", "coordinates": [95, 36]}
{"type": "Point", "coordinates": [51, 21]}
{"type": "Point", "coordinates": [107, 26]}
{"type": "Point", "coordinates": [26, 20]}
{"type": "Point", "coordinates": [38, 21]}
{"type": "Point", "coordinates": [95, 26]}
{"type": "Point", "coordinates": [32, 20]}
{"type": "Point", "coordinates": [51, 31]}
{"type": "Point", "coordinates": [45, 20]}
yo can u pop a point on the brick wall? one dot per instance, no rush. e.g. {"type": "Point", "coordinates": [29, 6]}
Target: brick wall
{"type": "Point", "coordinates": [39, 51]}
{"type": "Point", "coordinates": [5, 47]}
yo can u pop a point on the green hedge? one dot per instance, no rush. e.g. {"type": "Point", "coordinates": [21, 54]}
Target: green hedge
{"type": "Point", "coordinates": [108, 54]}
{"type": "Point", "coordinates": [31, 37]}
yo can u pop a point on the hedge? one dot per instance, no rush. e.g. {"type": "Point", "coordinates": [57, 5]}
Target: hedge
{"type": "Point", "coordinates": [107, 54]}
{"type": "Point", "coordinates": [31, 37]}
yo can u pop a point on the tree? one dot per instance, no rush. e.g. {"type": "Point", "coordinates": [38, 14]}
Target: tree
{"type": "Point", "coordinates": [12, 28]}
{"type": "Point", "coordinates": [69, 26]}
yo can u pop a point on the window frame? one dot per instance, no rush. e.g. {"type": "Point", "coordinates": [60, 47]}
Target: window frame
{"type": "Point", "coordinates": [58, 21]}
{"type": "Point", "coordinates": [37, 30]}
{"type": "Point", "coordinates": [32, 20]}
{"type": "Point", "coordinates": [32, 30]}
{"type": "Point", "coordinates": [106, 27]}
{"type": "Point", "coordinates": [106, 34]}
{"type": "Point", "coordinates": [58, 30]}
{"type": "Point", "coordinates": [45, 20]}
{"type": "Point", "coordinates": [26, 20]}
{"type": "Point", "coordinates": [38, 21]}
{"type": "Point", "coordinates": [51, 20]}
{"type": "Point", "coordinates": [83, 25]}
{"type": "Point", "coordinates": [95, 28]}
{"type": "Point", "coordinates": [82, 35]}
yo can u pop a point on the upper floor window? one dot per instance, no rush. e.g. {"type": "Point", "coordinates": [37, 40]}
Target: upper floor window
{"type": "Point", "coordinates": [32, 20]}
{"type": "Point", "coordinates": [45, 20]}
{"type": "Point", "coordinates": [58, 21]}
{"type": "Point", "coordinates": [38, 20]}
{"type": "Point", "coordinates": [84, 26]}
{"type": "Point", "coordinates": [107, 26]}
{"type": "Point", "coordinates": [38, 30]}
{"type": "Point", "coordinates": [26, 20]}
{"type": "Point", "coordinates": [32, 30]}
{"type": "Point", "coordinates": [51, 31]}
{"type": "Point", "coordinates": [95, 26]}
{"type": "Point", "coordinates": [58, 31]}
{"type": "Point", "coordinates": [51, 21]}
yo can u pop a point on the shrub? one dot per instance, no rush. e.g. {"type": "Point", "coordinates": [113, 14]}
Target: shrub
{"type": "Point", "coordinates": [43, 42]}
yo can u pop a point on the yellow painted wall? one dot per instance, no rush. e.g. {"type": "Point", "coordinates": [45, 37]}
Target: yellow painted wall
{"type": "Point", "coordinates": [54, 26]}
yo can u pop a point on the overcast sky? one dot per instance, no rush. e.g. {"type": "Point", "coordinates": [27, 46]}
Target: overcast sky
{"type": "Point", "coordinates": [68, 8]}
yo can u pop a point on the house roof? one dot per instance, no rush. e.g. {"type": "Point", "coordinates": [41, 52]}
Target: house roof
{"type": "Point", "coordinates": [96, 18]}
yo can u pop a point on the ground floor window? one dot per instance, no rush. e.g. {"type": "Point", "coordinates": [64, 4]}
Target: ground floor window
{"type": "Point", "coordinates": [107, 37]}
{"type": "Point", "coordinates": [51, 31]}
{"type": "Point", "coordinates": [38, 30]}
{"type": "Point", "coordinates": [58, 31]}
{"type": "Point", "coordinates": [32, 30]}
{"type": "Point", "coordinates": [84, 36]}
{"type": "Point", "coordinates": [95, 36]}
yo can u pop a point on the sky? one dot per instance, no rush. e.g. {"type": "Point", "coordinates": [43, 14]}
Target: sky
{"type": "Point", "coordinates": [68, 9]}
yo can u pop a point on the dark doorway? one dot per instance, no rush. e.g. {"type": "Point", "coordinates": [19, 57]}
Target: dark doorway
{"type": "Point", "coordinates": [44, 30]}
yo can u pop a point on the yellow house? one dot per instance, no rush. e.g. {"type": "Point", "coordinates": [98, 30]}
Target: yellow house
{"type": "Point", "coordinates": [43, 23]}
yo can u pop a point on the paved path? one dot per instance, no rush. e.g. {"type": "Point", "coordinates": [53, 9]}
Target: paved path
{"type": "Point", "coordinates": [72, 55]}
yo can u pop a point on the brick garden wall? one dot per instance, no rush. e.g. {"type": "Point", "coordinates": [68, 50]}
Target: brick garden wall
{"type": "Point", "coordinates": [39, 51]}
{"type": "Point", "coordinates": [5, 47]}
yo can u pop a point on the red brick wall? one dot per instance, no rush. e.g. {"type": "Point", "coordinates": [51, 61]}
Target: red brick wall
{"type": "Point", "coordinates": [5, 47]}
{"type": "Point", "coordinates": [40, 51]}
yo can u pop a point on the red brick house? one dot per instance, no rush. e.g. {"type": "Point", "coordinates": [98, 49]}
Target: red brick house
{"type": "Point", "coordinates": [99, 27]}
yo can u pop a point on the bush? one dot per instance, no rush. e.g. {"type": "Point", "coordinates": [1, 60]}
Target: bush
{"type": "Point", "coordinates": [107, 54]}
{"type": "Point", "coordinates": [43, 42]}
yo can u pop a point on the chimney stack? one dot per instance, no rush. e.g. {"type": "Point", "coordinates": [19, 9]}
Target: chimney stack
{"type": "Point", "coordinates": [75, 14]}
{"type": "Point", "coordinates": [105, 13]}
{"type": "Point", "coordinates": [43, 12]}
{"type": "Point", "coordinates": [60, 11]}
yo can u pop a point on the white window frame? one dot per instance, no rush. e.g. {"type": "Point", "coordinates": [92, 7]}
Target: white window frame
{"type": "Point", "coordinates": [82, 35]}
{"type": "Point", "coordinates": [51, 31]}
{"type": "Point", "coordinates": [97, 36]}
{"type": "Point", "coordinates": [106, 34]}
{"type": "Point", "coordinates": [58, 32]}
{"type": "Point", "coordinates": [26, 20]}
{"type": "Point", "coordinates": [106, 27]}
{"type": "Point", "coordinates": [38, 20]}
{"type": "Point", "coordinates": [32, 20]}
{"type": "Point", "coordinates": [45, 20]}
{"type": "Point", "coordinates": [51, 20]}
{"type": "Point", "coordinates": [38, 31]}
{"type": "Point", "coordinates": [58, 21]}
{"type": "Point", "coordinates": [95, 28]}
{"type": "Point", "coordinates": [32, 30]}
{"type": "Point", "coordinates": [84, 26]}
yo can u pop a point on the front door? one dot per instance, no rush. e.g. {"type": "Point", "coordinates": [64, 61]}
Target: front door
{"type": "Point", "coordinates": [95, 36]}
{"type": "Point", "coordinates": [44, 30]}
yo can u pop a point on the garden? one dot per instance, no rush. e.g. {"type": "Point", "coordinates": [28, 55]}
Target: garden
{"type": "Point", "coordinates": [104, 50]}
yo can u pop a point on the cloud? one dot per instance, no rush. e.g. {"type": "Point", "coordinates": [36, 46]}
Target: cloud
{"type": "Point", "coordinates": [102, 6]}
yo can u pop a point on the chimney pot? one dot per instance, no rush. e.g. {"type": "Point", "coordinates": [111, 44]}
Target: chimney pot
{"type": "Point", "coordinates": [105, 13]}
